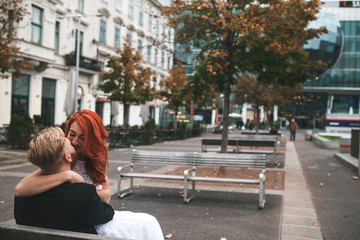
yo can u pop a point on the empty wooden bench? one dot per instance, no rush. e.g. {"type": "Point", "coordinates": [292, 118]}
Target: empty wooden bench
{"type": "Point", "coordinates": [193, 160]}
{"type": "Point", "coordinates": [250, 141]}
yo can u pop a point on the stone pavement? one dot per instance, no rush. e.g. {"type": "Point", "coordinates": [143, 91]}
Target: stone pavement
{"type": "Point", "coordinates": [217, 212]}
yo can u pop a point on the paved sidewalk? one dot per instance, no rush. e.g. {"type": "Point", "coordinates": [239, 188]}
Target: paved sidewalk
{"type": "Point", "coordinates": [299, 218]}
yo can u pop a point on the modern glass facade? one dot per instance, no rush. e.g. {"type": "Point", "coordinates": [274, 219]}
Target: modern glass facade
{"type": "Point", "coordinates": [346, 73]}
{"type": "Point", "coordinates": [342, 83]}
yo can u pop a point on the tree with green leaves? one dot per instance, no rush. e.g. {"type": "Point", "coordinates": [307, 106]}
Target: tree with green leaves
{"type": "Point", "coordinates": [126, 79]}
{"type": "Point", "coordinates": [11, 13]}
{"type": "Point", "coordinates": [244, 37]}
{"type": "Point", "coordinates": [173, 90]}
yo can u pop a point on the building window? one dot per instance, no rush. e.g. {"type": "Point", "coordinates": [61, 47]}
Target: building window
{"type": "Point", "coordinates": [81, 42]}
{"type": "Point", "coordinates": [163, 31]}
{"type": "Point", "coordinates": [102, 38]}
{"type": "Point", "coordinates": [102, 67]}
{"type": "Point", "coordinates": [131, 9]}
{"type": "Point", "coordinates": [148, 54]}
{"type": "Point", "coordinates": [20, 95]}
{"type": "Point", "coordinates": [141, 16]}
{"type": "Point", "coordinates": [57, 37]}
{"type": "Point", "coordinates": [118, 5]}
{"type": "Point", "coordinates": [105, 1]}
{"type": "Point", "coordinates": [36, 24]}
{"type": "Point", "coordinates": [130, 40]}
{"type": "Point", "coordinates": [150, 23]}
{"type": "Point", "coordinates": [162, 59]}
{"type": "Point", "coordinates": [48, 102]}
{"type": "Point", "coordinates": [140, 47]}
{"type": "Point", "coordinates": [81, 5]}
{"type": "Point", "coordinates": [117, 38]}
{"type": "Point", "coordinates": [157, 27]}
{"type": "Point", "coordinates": [156, 57]}
{"type": "Point", "coordinates": [168, 62]}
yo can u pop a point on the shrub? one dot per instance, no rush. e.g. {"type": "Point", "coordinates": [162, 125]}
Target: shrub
{"type": "Point", "coordinates": [20, 130]}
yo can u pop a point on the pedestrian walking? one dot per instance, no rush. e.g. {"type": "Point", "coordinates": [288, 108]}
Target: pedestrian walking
{"type": "Point", "coordinates": [293, 128]}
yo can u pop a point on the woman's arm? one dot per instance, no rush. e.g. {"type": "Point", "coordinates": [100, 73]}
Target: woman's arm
{"type": "Point", "coordinates": [36, 183]}
{"type": "Point", "coordinates": [104, 193]}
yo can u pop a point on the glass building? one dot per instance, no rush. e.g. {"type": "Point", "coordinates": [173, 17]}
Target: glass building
{"type": "Point", "coordinates": [341, 85]}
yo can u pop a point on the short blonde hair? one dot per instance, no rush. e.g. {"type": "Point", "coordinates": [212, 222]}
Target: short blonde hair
{"type": "Point", "coordinates": [46, 149]}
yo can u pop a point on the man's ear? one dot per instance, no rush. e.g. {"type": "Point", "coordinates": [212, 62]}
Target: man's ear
{"type": "Point", "coordinates": [68, 157]}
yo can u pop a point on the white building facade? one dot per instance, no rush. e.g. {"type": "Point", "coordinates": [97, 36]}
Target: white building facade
{"type": "Point", "coordinates": [48, 35]}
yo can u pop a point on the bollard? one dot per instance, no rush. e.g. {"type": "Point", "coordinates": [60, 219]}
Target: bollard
{"type": "Point", "coordinates": [308, 135]}
{"type": "Point", "coordinates": [345, 145]}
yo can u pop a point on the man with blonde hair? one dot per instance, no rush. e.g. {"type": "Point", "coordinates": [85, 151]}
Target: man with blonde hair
{"type": "Point", "coordinates": [69, 206]}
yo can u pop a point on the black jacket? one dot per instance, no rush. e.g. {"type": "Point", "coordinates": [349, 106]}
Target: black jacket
{"type": "Point", "coordinates": [70, 206]}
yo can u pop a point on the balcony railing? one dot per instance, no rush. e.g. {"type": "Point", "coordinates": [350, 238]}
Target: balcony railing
{"type": "Point", "coordinates": [88, 63]}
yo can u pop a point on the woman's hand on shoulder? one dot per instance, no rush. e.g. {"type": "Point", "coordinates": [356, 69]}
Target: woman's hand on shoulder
{"type": "Point", "coordinates": [73, 177]}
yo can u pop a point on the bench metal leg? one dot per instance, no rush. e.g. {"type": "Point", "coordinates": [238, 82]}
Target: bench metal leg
{"type": "Point", "coordinates": [186, 181]}
{"type": "Point", "coordinates": [262, 190]}
{"type": "Point", "coordinates": [126, 192]}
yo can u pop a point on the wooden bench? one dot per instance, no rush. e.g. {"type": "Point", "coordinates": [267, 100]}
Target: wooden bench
{"type": "Point", "coordinates": [13, 231]}
{"type": "Point", "coordinates": [250, 141]}
{"type": "Point", "coordinates": [193, 160]}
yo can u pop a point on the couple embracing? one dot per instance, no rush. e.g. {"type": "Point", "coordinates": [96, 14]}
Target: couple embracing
{"type": "Point", "coordinates": [70, 190]}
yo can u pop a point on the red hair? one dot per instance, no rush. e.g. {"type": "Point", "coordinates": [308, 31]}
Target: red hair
{"type": "Point", "coordinates": [95, 146]}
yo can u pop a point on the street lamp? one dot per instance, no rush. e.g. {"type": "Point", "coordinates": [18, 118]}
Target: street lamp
{"type": "Point", "coordinates": [78, 18]}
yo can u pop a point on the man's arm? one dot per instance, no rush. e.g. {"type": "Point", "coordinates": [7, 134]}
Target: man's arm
{"type": "Point", "coordinates": [36, 183]}
{"type": "Point", "coordinates": [99, 212]}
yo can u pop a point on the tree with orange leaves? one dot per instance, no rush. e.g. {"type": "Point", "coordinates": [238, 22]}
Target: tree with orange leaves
{"type": "Point", "coordinates": [173, 90]}
{"type": "Point", "coordinates": [126, 79]}
{"type": "Point", "coordinates": [242, 36]}
{"type": "Point", "coordinates": [249, 90]}
{"type": "Point", "coordinates": [11, 13]}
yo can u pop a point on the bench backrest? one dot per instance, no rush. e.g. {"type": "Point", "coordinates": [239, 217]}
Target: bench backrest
{"type": "Point", "coordinates": [247, 141]}
{"type": "Point", "coordinates": [199, 159]}
{"type": "Point", "coordinates": [259, 137]}
{"type": "Point", "coordinates": [154, 157]}
{"type": "Point", "coordinates": [260, 133]}
{"type": "Point", "coordinates": [231, 160]}
{"type": "Point", "coordinates": [12, 231]}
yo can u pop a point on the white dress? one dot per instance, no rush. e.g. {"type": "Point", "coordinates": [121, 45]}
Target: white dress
{"type": "Point", "coordinates": [125, 224]}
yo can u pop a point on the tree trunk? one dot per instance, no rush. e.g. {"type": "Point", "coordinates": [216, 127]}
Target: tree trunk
{"type": "Point", "coordinates": [257, 118]}
{"type": "Point", "coordinates": [126, 114]}
{"type": "Point", "coordinates": [175, 118]}
{"type": "Point", "coordinates": [225, 123]}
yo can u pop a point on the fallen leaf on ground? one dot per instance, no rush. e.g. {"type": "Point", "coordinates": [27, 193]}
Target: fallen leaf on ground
{"type": "Point", "coordinates": [159, 194]}
{"type": "Point", "coordinates": [222, 238]}
{"type": "Point", "coordinates": [329, 174]}
{"type": "Point", "coordinates": [168, 236]}
{"type": "Point", "coordinates": [321, 184]}
{"type": "Point", "coordinates": [138, 186]}
{"type": "Point", "coordinates": [2, 202]}
{"type": "Point", "coordinates": [315, 224]}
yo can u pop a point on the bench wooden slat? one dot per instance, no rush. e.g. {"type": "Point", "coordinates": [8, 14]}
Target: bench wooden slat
{"type": "Point", "coordinates": [224, 180]}
{"type": "Point", "coordinates": [248, 141]}
{"type": "Point", "coordinates": [13, 231]}
{"type": "Point", "coordinates": [155, 176]}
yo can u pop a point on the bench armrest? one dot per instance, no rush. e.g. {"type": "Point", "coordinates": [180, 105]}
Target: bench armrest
{"type": "Point", "coordinates": [186, 172]}
{"type": "Point", "coordinates": [124, 166]}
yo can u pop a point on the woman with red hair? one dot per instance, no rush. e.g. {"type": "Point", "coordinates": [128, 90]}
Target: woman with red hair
{"type": "Point", "coordinates": [87, 135]}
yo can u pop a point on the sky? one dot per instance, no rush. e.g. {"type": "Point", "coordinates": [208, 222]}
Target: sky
{"type": "Point", "coordinates": [165, 2]}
